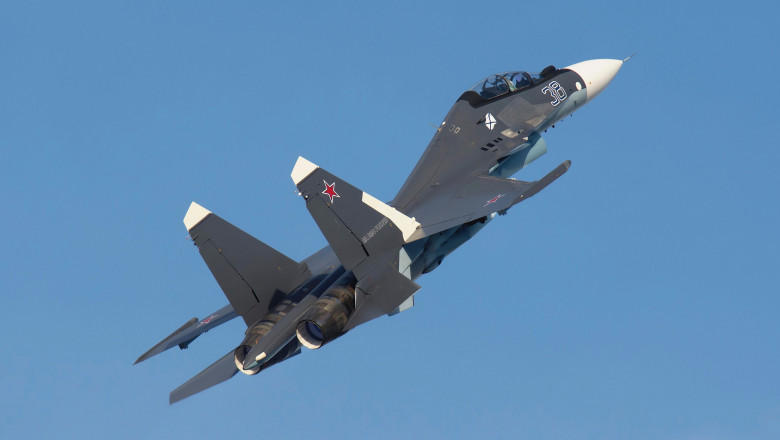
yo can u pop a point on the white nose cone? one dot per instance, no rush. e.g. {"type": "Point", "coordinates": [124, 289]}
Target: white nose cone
{"type": "Point", "coordinates": [597, 74]}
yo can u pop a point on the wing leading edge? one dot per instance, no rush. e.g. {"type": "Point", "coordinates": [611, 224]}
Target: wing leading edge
{"type": "Point", "coordinates": [189, 331]}
{"type": "Point", "coordinates": [478, 197]}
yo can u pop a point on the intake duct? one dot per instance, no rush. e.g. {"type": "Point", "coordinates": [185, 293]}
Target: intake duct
{"type": "Point", "coordinates": [326, 319]}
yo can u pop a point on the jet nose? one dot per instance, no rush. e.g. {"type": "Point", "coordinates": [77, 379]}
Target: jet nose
{"type": "Point", "coordinates": [597, 74]}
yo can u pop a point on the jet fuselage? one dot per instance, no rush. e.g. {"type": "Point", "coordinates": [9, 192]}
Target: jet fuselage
{"type": "Point", "coordinates": [377, 250]}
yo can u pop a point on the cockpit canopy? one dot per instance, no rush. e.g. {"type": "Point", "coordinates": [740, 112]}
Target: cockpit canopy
{"type": "Point", "coordinates": [502, 83]}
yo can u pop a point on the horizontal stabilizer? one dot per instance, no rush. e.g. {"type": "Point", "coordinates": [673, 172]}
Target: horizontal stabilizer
{"type": "Point", "coordinates": [380, 294]}
{"type": "Point", "coordinates": [253, 275]}
{"type": "Point", "coordinates": [218, 372]}
{"type": "Point", "coordinates": [406, 305]}
{"type": "Point", "coordinates": [189, 331]}
{"type": "Point", "coordinates": [481, 196]}
{"type": "Point", "coordinates": [355, 224]}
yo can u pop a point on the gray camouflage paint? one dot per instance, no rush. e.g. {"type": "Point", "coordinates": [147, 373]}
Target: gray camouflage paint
{"type": "Point", "coordinates": [467, 153]}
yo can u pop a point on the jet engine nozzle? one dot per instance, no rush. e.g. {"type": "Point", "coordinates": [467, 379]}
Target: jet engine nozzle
{"type": "Point", "coordinates": [597, 74]}
{"type": "Point", "coordinates": [253, 336]}
{"type": "Point", "coordinates": [256, 332]}
{"type": "Point", "coordinates": [239, 356]}
{"type": "Point", "coordinates": [326, 319]}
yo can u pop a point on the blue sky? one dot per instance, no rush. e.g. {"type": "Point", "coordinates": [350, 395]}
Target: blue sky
{"type": "Point", "coordinates": [636, 297]}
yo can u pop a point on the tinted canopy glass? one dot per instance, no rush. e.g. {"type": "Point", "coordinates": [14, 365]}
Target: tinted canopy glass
{"type": "Point", "coordinates": [500, 84]}
{"type": "Point", "coordinates": [492, 86]}
{"type": "Point", "coordinates": [518, 79]}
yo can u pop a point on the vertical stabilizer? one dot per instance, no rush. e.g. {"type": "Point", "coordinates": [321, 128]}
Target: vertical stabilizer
{"type": "Point", "coordinates": [253, 275]}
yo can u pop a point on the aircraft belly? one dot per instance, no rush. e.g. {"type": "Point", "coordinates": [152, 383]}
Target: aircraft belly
{"type": "Point", "coordinates": [436, 248]}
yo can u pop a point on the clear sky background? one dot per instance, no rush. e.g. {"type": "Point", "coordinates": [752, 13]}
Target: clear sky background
{"type": "Point", "coordinates": [636, 297]}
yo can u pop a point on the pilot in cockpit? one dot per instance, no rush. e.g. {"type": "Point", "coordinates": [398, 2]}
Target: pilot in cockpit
{"type": "Point", "coordinates": [497, 85]}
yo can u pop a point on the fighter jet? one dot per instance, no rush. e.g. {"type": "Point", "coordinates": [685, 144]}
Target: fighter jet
{"type": "Point", "coordinates": [377, 250]}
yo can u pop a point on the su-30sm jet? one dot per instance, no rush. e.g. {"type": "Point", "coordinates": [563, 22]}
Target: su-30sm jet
{"type": "Point", "coordinates": [376, 250]}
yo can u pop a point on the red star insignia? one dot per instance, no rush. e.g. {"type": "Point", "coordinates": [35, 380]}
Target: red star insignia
{"type": "Point", "coordinates": [330, 190]}
{"type": "Point", "coordinates": [494, 199]}
{"type": "Point", "coordinates": [207, 320]}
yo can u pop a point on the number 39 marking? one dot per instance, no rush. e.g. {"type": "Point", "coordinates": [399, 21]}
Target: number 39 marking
{"type": "Point", "coordinates": [556, 92]}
